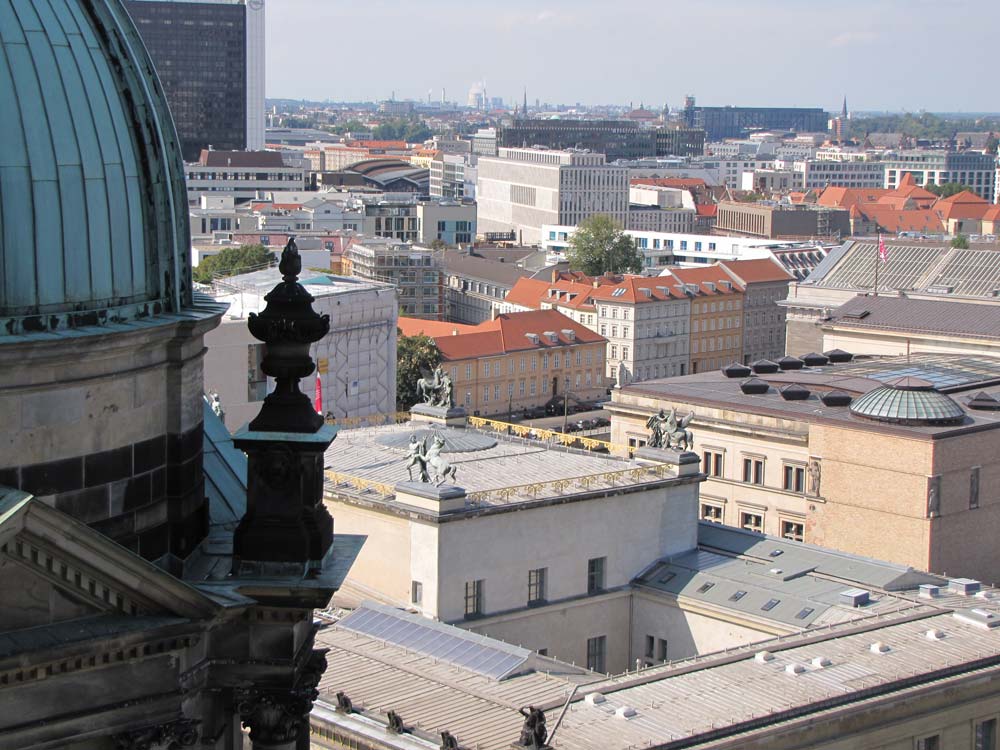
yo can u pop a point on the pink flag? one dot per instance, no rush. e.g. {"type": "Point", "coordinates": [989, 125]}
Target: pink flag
{"type": "Point", "coordinates": [319, 393]}
{"type": "Point", "coordinates": [883, 253]}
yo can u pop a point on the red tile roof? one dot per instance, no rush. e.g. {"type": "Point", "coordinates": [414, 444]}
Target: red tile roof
{"type": "Point", "coordinates": [756, 271]}
{"type": "Point", "coordinates": [674, 182]}
{"type": "Point", "coordinates": [964, 205]}
{"type": "Point", "coordinates": [507, 333]}
{"type": "Point", "coordinates": [706, 274]}
{"type": "Point", "coordinates": [707, 209]}
{"type": "Point", "coordinates": [890, 219]}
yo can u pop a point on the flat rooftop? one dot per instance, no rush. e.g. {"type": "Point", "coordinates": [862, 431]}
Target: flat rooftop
{"type": "Point", "coordinates": [439, 677]}
{"type": "Point", "coordinates": [494, 470]}
{"type": "Point", "coordinates": [957, 375]}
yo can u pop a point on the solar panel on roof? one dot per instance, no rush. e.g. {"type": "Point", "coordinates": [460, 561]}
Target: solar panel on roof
{"type": "Point", "coordinates": [445, 643]}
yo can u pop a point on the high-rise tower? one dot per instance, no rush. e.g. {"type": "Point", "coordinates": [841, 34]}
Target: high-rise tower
{"type": "Point", "coordinates": [215, 89]}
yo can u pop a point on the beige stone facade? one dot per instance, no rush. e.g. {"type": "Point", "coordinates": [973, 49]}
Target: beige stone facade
{"type": "Point", "coordinates": [916, 496]}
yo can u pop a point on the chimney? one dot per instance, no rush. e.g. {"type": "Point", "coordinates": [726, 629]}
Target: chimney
{"type": "Point", "coordinates": [555, 276]}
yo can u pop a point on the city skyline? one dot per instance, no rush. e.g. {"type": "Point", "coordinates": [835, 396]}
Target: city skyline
{"type": "Point", "coordinates": [867, 52]}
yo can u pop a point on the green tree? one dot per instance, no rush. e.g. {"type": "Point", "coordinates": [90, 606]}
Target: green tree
{"type": "Point", "coordinates": [600, 246]}
{"type": "Point", "coordinates": [415, 355]}
{"type": "Point", "coordinates": [960, 241]}
{"type": "Point", "coordinates": [947, 189]}
{"type": "Point", "coordinates": [991, 145]}
{"type": "Point", "coordinates": [233, 260]}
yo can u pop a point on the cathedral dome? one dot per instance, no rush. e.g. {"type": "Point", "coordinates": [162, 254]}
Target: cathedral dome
{"type": "Point", "coordinates": [93, 209]}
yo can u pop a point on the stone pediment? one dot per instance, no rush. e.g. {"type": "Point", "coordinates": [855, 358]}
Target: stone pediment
{"type": "Point", "coordinates": [54, 568]}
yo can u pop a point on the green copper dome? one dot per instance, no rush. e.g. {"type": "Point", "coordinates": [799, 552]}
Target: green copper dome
{"type": "Point", "coordinates": [93, 210]}
{"type": "Point", "coordinates": [909, 401]}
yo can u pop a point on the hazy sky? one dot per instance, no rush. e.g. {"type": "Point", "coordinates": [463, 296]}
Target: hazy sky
{"type": "Point", "coordinates": [938, 55]}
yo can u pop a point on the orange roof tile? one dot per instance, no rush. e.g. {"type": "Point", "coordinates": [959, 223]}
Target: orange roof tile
{"type": "Point", "coordinates": [893, 220]}
{"type": "Point", "coordinates": [756, 271]}
{"type": "Point", "coordinates": [706, 274]}
{"type": "Point", "coordinates": [508, 333]}
{"type": "Point", "coordinates": [432, 328]}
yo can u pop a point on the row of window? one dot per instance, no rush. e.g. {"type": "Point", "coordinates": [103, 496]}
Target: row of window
{"type": "Point", "coordinates": [791, 529]}
{"type": "Point", "coordinates": [475, 591]}
{"type": "Point", "coordinates": [710, 324]}
{"type": "Point", "coordinates": [558, 360]}
{"type": "Point", "coordinates": [793, 475]}
{"type": "Point", "coordinates": [589, 379]}
{"type": "Point", "coordinates": [984, 737]}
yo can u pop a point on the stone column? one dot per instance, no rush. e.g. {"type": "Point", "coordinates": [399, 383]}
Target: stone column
{"type": "Point", "coordinates": [278, 719]}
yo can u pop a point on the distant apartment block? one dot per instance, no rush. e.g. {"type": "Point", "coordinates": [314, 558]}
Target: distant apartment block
{"type": "Point", "coordinates": [422, 222]}
{"type": "Point", "coordinates": [209, 56]}
{"type": "Point", "coordinates": [736, 122]}
{"type": "Point", "coordinates": [242, 174]}
{"type": "Point", "coordinates": [416, 272]}
{"type": "Point", "coordinates": [775, 221]}
{"type": "Point", "coordinates": [524, 188]}
{"type": "Point", "coordinates": [973, 169]}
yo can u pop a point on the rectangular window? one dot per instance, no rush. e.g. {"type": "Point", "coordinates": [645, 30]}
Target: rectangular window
{"type": "Point", "coordinates": [256, 379]}
{"type": "Point", "coordinates": [416, 592]}
{"type": "Point", "coordinates": [794, 530]}
{"type": "Point", "coordinates": [752, 521]}
{"type": "Point", "coordinates": [929, 743]}
{"type": "Point", "coordinates": [985, 736]}
{"type": "Point", "coordinates": [974, 488]}
{"type": "Point", "coordinates": [596, 652]}
{"type": "Point", "coordinates": [662, 651]}
{"type": "Point", "coordinates": [473, 598]}
{"type": "Point", "coordinates": [595, 575]}
{"type": "Point", "coordinates": [536, 585]}
{"type": "Point", "coordinates": [712, 463]}
{"type": "Point", "coordinates": [650, 645]}
{"type": "Point", "coordinates": [794, 478]}
{"type": "Point", "coordinates": [753, 470]}
{"type": "Point", "coordinates": [711, 513]}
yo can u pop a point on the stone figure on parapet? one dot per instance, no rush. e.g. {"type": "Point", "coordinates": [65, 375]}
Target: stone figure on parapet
{"type": "Point", "coordinates": [436, 390]}
{"type": "Point", "coordinates": [216, 403]}
{"type": "Point", "coordinates": [428, 458]}
{"type": "Point", "coordinates": [415, 457]}
{"type": "Point", "coordinates": [667, 432]}
{"type": "Point", "coordinates": [533, 732]}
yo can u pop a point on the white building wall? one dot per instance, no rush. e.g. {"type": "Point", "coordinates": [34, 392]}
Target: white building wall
{"type": "Point", "coordinates": [255, 74]}
{"type": "Point", "coordinates": [357, 359]}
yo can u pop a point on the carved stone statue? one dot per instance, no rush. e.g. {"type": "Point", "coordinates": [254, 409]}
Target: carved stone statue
{"type": "Point", "coordinates": [415, 457]}
{"type": "Point", "coordinates": [428, 458]}
{"type": "Point", "coordinates": [533, 732]}
{"type": "Point", "coordinates": [396, 725]}
{"type": "Point", "coordinates": [666, 431]}
{"type": "Point", "coordinates": [814, 477]}
{"type": "Point", "coordinates": [344, 703]}
{"type": "Point", "coordinates": [437, 389]}
{"type": "Point", "coordinates": [216, 403]}
{"type": "Point", "coordinates": [448, 741]}
{"type": "Point", "coordinates": [934, 496]}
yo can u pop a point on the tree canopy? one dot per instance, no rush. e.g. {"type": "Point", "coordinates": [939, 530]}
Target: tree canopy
{"type": "Point", "coordinates": [960, 241]}
{"type": "Point", "coordinates": [600, 246]}
{"type": "Point", "coordinates": [946, 189]}
{"type": "Point", "coordinates": [414, 356]}
{"type": "Point", "coordinates": [410, 130]}
{"type": "Point", "coordinates": [231, 261]}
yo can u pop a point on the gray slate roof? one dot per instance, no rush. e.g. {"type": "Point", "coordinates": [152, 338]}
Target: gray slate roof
{"type": "Point", "coordinates": [967, 319]}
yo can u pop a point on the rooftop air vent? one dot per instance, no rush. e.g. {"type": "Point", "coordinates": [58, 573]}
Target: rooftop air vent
{"type": "Point", "coordinates": [857, 315]}
{"type": "Point", "coordinates": [813, 359]}
{"type": "Point", "coordinates": [984, 401]}
{"type": "Point", "coordinates": [624, 712]}
{"type": "Point", "coordinates": [835, 398]}
{"type": "Point", "coordinates": [736, 370]}
{"type": "Point", "coordinates": [854, 597]}
{"type": "Point", "coordinates": [820, 661]}
{"type": "Point", "coordinates": [982, 618]}
{"type": "Point", "coordinates": [594, 699]}
{"type": "Point", "coordinates": [794, 392]}
{"type": "Point", "coordinates": [763, 657]}
{"type": "Point", "coordinates": [934, 634]}
{"type": "Point", "coordinates": [929, 591]}
{"type": "Point", "coordinates": [837, 356]}
{"type": "Point", "coordinates": [794, 668]}
{"type": "Point", "coordinates": [879, 648]}
{"type": "Point", "coordinates": [964, 586]}
{"type": "Point", "coordinates": [764, 367]}
{"type": "Point", "coordinates": [790, 363]}
{"type": "Point", "coordinates": [754, 386]}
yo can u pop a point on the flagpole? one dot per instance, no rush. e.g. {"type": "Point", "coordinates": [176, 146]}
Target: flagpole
{"type": "Point", "coordinates": [877, 259]}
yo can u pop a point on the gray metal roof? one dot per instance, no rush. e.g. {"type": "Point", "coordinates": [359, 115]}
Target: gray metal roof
{"type": "Point", "coordinates": [476, 653]}
{"type": "Point", "coordinates": [944, 317]}
{"type": "Point", "coordinates": [93, 210]}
